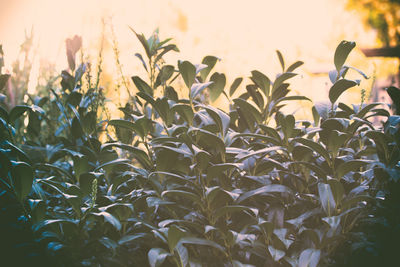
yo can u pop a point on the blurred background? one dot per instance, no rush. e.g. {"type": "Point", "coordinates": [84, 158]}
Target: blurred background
{"type": "Point", "coordinates": [244, 35]}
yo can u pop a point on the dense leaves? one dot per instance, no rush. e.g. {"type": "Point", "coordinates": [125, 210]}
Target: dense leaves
{"type": "Point", "coordinates": [177, 182]}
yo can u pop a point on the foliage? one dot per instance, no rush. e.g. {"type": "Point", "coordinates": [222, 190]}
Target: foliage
{"type": "Point", "coordinates": [381, 15]}
{"type": "Point", "coordinates": [183, 183]}
{"type": "Point", "coordinates": [373, 242]}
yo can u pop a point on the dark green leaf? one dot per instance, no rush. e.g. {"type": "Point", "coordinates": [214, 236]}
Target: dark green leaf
{"type": "Point", "coordinates": [326, 197]}
{"type": "Point", "coordinates": [294, 66]}
{"type": "Point", "coordinates": [235, 85]}
{"type": "Point", "coordinates": [22, 178]}
{"type": "Point", "coordinates": [197, 88]}
{"type": "Point", "coordinates": [157, 256]}
{"type": "Point", "coordinates": [281, 60]}
{"type": "Point", "coordinates": [273, 188]}
{"type": "Point", "coordinates": [339, 87]}
{"type": "Point", "coordinates": [341, 53]}
{"type": "Point", "coordinates": [110, 219]}
{"type": "Point", "coordinates": [218, 85]}
{"type": "Point", "coordinates": [188, 72]}
{"type": "Point", "coordinates": [142, 86]}
{"type": "Point", "coordinates": [262, 81]}
{"type": "Point", "coordinates": [210, 61]}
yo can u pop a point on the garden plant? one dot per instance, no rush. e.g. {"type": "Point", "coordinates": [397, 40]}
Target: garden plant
{"type": "Point", "coordinates": [180, 182]}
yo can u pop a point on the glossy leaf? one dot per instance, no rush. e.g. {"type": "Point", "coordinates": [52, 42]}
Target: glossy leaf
{"type": "Point", "coordinates": [22, 179]}
{"type": "Point", "coordinates": [210, 61]}
{"type": "Point", "coordinates": [188, 73]}
{"type": "Point", "coordinates": [326, 197]}
{"type": "Point", "coordinates": [235, 85]}
{"type": "Point", "coordinates": [339, 87]}
{"type": "Point", "coordinates": [217, 87]}
{"type": "Point", "coordinates": [342, 52]}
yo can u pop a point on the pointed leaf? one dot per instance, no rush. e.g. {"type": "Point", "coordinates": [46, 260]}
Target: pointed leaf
{"type": "Point", "coordinates": [142, 86]}
{"type": "Point", "coordinates": [22, 178]}
{"type": "Point", "coordinates": [342, 52]}
{"type": "Point", "coordinates": [326, 198]}
{"type": "Point", "coordinates": [218, 85]}
{"type": "Point", "coordinates": [210, 61]}
{"type": "Point", "coordinates": [188, 72]}
{"type": "Point", "coordinates": [339, 87]}
{"type": "Point", "coordinates": [197, 88]}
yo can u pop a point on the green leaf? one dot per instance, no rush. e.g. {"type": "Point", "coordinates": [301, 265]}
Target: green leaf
{"type": "Point", "coordinates": [262, 137]}
{"type": "Point", "coordinates": [281, 60]}
{"type": "Point", "coordinates": [235, 85]}
{"type": "Point", "coordinates": [333, 222]}
{"type": "Point", "coordinates": [276, 253]}
{"type": "Point", "coordinates": [81, 165]}
{"type": "Point", "coordinates": [394, 94]}
{"type": "Point", "coordinates": [298, 221]}
{"type": "Point", "coordinates": [210, 61]}
{"type": "Point", "coordinates": [218, 85]}
{"type": "Point", "coordinates": [294, 66]}
{"type": "Point", "coordinates": [182, 194]}
{"type": "Point", "coordinates": [142, 86]}
{"type": "Point", "coordinates": [155, 201]}
{"type": "Point", "coordinates": [112, 163]}
{"type": "Point", "coordinates": [143, 41]}
{"type": "Point", "coordinates": [140, 155]}
{"type": "Point", "coordinates": [18, 111]}
{"type": "Point", "coordinates": [109, 218]}
{"type": "Point", "coordinates": [202, 242]}
{"type": "Point", "coordinates": [262, 81]}
{"type": "Point", "coordinates": [232, 209]}
{"type": "Point", "coordinates": [129, 238]}
{"type": "Point", "coordinates": [141, 126]}
{"type": "Point", "coordinates": [275, 103]}
{"type": "Point", "coordinates": [309, 257]}
{"type": "Point", "coordinates": [337, 190]}
{"type": "Point", "coordinates": [165, 73]}
{"type": "Point", "coordinates": [70, 222]}
{"type": "Point", "coordinates": [163, 109]}
{"type": "Point", "coordinates": [326, 197]}
{"type": "Point", "coordinates": [166, 49]}
{"type": "Point", "coordinates": [339, 87]}
{"type": "Point", "coordinates": [142, 60]}
{"type": "Point", "coordinates": [85, 182]}
{"type": "Point", "coordinates": [272, 188]}
{"type": "Point", "coordinates": [249, 110]}
{"type": "Point", "coordinates": [188, 72]}
{"type": "Point", "coordinates": [197, 88]}
{"type": "Point", "coordinates": [174, 235]}
{"type": "Point", "coordinates": [220, 118]}
{"type": "Point", "coordinates": [265, 151]}
{"type": "Point", "coordinates": [351, 165]}
{"type": "Point", "coordinates": [216, 170]}
{"type": "Point", "coordinates": [22, 178]}
{"type": "Point", "coordinates": [4, 114]}
{"type": "Point", "coordinates": [157, 256]}
{"type": "Point", "coordinates": [316, 147]}
{"type": "Point", "coordinates": [209, 141]}
{"type": "Point", "coordinates": [256, 96]}
{"type": "Point", "coordinates": [342, 52]}
{"type": "Point", "coordinates": [185, 112]}
{"type": "Point", "coordinates": [183, 254]}
{"type": "Point", "coordinates": [283, 77]}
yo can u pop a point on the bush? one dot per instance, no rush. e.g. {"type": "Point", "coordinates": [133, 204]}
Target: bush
{"type": "Point", "coordinates": [180, 182]}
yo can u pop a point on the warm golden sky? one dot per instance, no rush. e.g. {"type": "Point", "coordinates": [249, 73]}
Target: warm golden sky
{"type": "Point", "coordinates": [244, 34]}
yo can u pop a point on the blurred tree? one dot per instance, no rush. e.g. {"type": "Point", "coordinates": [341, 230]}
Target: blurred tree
{"type": "Point", "coordinates": [382, 15]}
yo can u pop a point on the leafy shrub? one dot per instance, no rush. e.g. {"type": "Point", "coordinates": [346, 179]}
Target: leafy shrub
{"type": "Point", "coordinates": [184, 183]}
